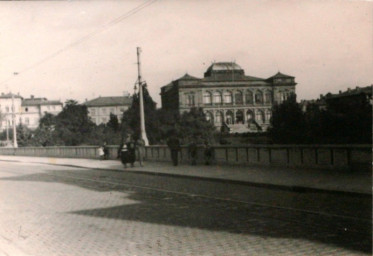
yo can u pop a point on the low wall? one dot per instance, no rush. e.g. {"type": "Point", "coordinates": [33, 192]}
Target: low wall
{"type": "Point", "coordinates": [342, 157]}
{"type": "Point", "coordinates": [346, 157]}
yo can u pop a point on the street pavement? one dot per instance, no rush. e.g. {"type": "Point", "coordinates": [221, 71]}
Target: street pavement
{"type": "Point", "coordinates": [76, 207]}
{"type": "Point", "coordinates": [285, 178]}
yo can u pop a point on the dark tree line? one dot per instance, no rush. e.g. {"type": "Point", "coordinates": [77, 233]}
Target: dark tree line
{"type": "Point", "coordinates": [348, 122]}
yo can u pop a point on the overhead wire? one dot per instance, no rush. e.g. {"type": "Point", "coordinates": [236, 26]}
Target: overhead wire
{"type": "Point", "coordinates": [84, 38]}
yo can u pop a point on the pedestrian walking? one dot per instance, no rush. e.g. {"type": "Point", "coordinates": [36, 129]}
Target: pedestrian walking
{"type": "Point", "coordinates": [192, 150]}
{"type": "Point", "coordinates": [106, 151]}
{"type": "Point", "coordinates": [131, 157]}
{"type": "Point", "coordinates": [208, 153]}
{"type": "Point", "coordinates": [140, 150]}
{"type": "Point", "coordinates": [174, 144]}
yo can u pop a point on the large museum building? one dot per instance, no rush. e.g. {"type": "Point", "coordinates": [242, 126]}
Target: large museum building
{"type": "Point", "coordinates": [229, 97]}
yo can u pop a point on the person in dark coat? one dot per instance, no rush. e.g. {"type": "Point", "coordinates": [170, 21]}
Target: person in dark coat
{"type": "Point", "coordinates": [192, 149]}
{"type": "Point", "coordinates": [131, 147]}
{"type": "Point", "coordinates": [174, 144]}
{"type": "Point", "coordinates": [208, 153]}
{"type": "Point", "coordinates": [123, 154]}
{"type": "Point", "coordinates": [106, 151]}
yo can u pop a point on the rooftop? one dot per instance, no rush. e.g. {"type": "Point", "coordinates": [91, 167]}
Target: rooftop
{"type": "Point", "coordinates": [109, 101]}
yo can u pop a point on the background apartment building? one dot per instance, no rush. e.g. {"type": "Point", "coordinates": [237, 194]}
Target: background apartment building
{"type": "Point", "coordinates": [99, 109]}
{"type": "Point", "coordinates": [26, 111]}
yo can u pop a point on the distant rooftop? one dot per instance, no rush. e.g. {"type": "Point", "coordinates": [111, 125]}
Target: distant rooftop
{"type": "Point", "coordinates": [9, 95]}
{"type": "Point", "coordinates": [109, 101]}
{"type": "Point", "coordinates": [39, 101]}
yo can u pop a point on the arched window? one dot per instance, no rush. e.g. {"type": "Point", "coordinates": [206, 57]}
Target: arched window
{"type": "Point", "coordinates": [209, 117]}
{"type": "Point", "coordinates": [207, 98]}
{"type": "Point", "coordinates": [259, 97]}
{"type": "Point", "coordinates": [259, 116]}
{"type": "Point", "coordinates": [268, 97]}
{"type": "Point", "coordinates": [239, 117]}
{"type": "Point", "coordinates": [268, 115]}
{"type": "Point", "coordinates": [238, 98]}
{"type": "Point", "coordinates": [249, 97]}
{"type": "Point", "coordinates": [250, 115]}
{"type": "Point", "coordinates": [218, 117]}
{"type": "Point", "coordinates": [228, 97]}
{"type": "Point", "coordinates": [229, 117]}
{"type": "Point", "coordinates": [217, 98]}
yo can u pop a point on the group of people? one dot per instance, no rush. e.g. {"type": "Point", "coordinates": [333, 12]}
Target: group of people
{"type": "Point", "coordinates": [130, 150]}
{"type": "Point", "coordinates": [174, 145]}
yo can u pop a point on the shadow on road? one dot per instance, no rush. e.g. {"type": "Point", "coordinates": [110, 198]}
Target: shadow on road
{"type": "Point", "coordinates": [217, 215]}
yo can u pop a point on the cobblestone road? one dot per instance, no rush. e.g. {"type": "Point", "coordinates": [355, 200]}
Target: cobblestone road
{"type": "Point", "coordinates": [51, 210]}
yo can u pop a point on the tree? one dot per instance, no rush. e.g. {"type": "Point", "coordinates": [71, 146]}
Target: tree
{"type": "Point", "coordinates": [73, 125]}
{"type": "Point", "coordinates": [24, 135]}
{"type": "Point", "coordinates": [287, 122]}
{"type": "Point", "coordinates": [131, 118]}
{"type": "Point", "coordinates": [44, 135]}
{"type": "Point", "coordinates": [193, 125]}
{"type": "Point", "coordinates": [113, 122]}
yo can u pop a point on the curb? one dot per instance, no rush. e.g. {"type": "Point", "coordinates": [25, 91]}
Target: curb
{"type": "Point", "coordinates": [290, 188]}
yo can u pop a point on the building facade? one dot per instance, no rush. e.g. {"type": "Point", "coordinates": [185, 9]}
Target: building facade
{"type": "Point", "coordinates": [229, 97]}
{"type": "Point", "coordinates": [99, 109]}
{"type": "Point", "coordinates": [26, 111]}
{"type": "Point", "coordinates": [346, 98]}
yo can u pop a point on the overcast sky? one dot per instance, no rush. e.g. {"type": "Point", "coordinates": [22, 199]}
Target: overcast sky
{"type": "Point", "coordinates": [77, 50]}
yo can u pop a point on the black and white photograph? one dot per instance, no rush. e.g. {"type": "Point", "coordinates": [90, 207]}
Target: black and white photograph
{"type": "Point", "coordinates": [186, 128]}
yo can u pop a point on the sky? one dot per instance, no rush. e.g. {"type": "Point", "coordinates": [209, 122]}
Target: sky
{"type": "Point", "coordinates": [85, 49]}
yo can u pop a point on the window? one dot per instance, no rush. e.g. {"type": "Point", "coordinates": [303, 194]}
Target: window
{"type": "Point", "coordinates": [112, 110]}
{"type": "Point", "coordinates": [229, 117]}
{"type": "Point", "coordinates": [209, 117]}
{"type": "Point", "coordinates": [238, 97]}
{"type": "Point", "coordinates": [250, 115]}
{"type": "Point", "coordinates": [104, 120]}
{"type": "Point", "coordinates": [249, 97]}
{"type": "Point", "coordinates": [7, 109]}
{"type": "Point", "coordinates": [239, 117]}
{"type": "Point", "coordinates": [260, 116]}
{"type": "Point", "coordinates": [259, 97]}
{"type": "Point", "coordinates": [217, 98]}
{"type": "Point", "coordinates": [207, 98]}
{"type": "Point", "coordinates": [190, 99]}
{"type": "Point", "coordinates": [27, 120]}
{"type": "Point", "coordinates": [268, 97]}
{"type": "Point", "coordinates": [268, 115]}
{"type": "Point", "coordinates": [228, 97]}
{"type": "Point", "coordinates": [93, 111]}
{"type": "Point", "coordinates": [218, 117]}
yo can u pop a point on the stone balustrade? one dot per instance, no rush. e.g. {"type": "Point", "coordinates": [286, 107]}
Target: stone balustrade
{"type": "Point", "coordinates": [341, 157]}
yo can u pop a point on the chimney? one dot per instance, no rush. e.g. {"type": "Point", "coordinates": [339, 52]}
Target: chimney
{"type": "Point", "coordinates": [340, 91]}
{"type": "Point", "coordinates": [32, 96]}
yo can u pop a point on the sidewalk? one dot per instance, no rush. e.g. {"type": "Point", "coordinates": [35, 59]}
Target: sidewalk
{"type": "Point", "coordinates": [273, 177]}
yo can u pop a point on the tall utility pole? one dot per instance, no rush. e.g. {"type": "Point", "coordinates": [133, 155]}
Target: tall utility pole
{"type": "Point", "coordinates": [15, 144]}
{"type": "Point", "coordinates": [142, 116]}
